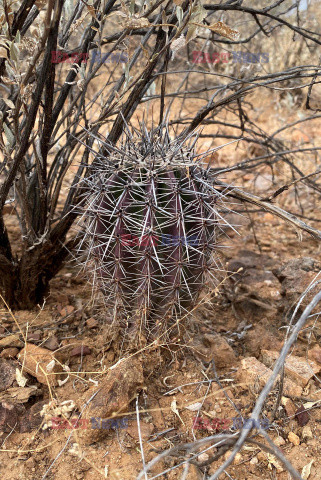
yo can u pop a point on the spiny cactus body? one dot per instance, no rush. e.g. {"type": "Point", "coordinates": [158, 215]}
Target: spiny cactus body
{"type": "Point", "coordinates": [151, 225]}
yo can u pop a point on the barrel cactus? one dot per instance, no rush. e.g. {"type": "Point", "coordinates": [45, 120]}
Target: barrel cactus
{"type": "Point", "coordinates": [151, 221]}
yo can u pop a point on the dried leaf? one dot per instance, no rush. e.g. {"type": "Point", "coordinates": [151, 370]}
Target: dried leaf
{"type": "Point", "coordinates": [3, 52]}
{"type": "Point", "coordinates": [92, 11]}
{"type": "Point", "coordinates": [197, 16]}
{"type": "Point", "coordinates": [14, 52]}
{"type": "Point", "coordinates": [175, 410]}
{"type": "Point", "coordinates": [21, 380]}
{"type": "Point", "coordinates": [224, 30]}
{"type": "Point", "coordinates": [50, 366]}
{"type": "Point", "coordinates": [9, 135]}
{"type": "Point", "coordinates": [191, 33]}
{"type": "Point", "coordinates": [9, 103]}
{"type": "Point", "coordinates": [180, 15]}
{"type": "Point", "coordinates": [177, 44]}
{"type": "Point", "coordinates": [306, 470]}
{"type": "Point", "coordinates": [164, 22]}
{"type": "Point", "coordinates": [194, 407]}
{"type": "Point", "coordinates": [274, 461]}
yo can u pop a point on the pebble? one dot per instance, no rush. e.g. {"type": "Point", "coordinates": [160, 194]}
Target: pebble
{"type": "Point", "coordinates": [80, 351]}
{"type": "Point", "coordinates": [10, 352]}
{"type": "Point", "coordinates": [11, 341]}
{"type": "Point", "coordinates": [279, 441]}
{"type": "Point", "coordinates": [40, 363]}
{"type": "Point", "coordinates": [51, 343]}
{"type": "Point", "coordinates": [64, 311]}
{"type": "Point", "coordinates": [293, 438]}
{"type": "Point", "coordinates": [92, 323]}
{"type": "Point", "coordinates": [34, 337]}
{"type": "Point", "coordinates": [307, 432]}
{"type": "Point", "coordinates": [203, 457]}
{"type": "Point", "coordinates": [7, 374]}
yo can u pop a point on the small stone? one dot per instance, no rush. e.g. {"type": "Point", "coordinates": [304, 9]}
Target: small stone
{"type": "Point", "coordinates": [11, 352]}
{"type": "Point", "coordinates": [7, 374]}
{"type": "Point", "coordinates": [302, 416]}
{"type": "Point", "coordinates": [34, 337]}
{"type": "Point", "coordinates": [9, 417]}
{"type": "Point", "coordinates": [203, 457]}
{"type": "Point", "coordinates": [293, 438]}
{"type": "Point", "coordinates": [254, 461]}
{"type": "Point", "coordinates": [252, 372]}
{"type": "Point", "coordinates": [113, 395]}
{"type": "Point", "coordinates": [279, 441]}
{"type": "Point", "coordinates": [51, 343]}
{"type": "Point", "coordinates": [11, 341]}
{"type": "Point", "coordinates": [238, 459]}
{"type": "Point", "coordinates": [40, 363]}
{"type": "Point", "coordinates": [67, 310]}
{"type": "Point", "coordinates": [80, 351]}
{"type": "Point", "coordinates": [32, 419]}
{"type": "Point", "coordinates": [307, 432]}
{"type": "Point", "coordinates": [146, 429]}
{"type": "Point", "coordinates": [261, 456]}
{"type": "Point", "coordinates": [194, 473]}
{"type": "Point", "coordinates": [30, 462]}
{"type": "Point", "coordinates": [315, 354]}
{"type": "Point", "coordinates": [289, 406]}
{"type": "Point", "coordinates": [297, 368]}
{"type": "Point", "coordinates": [92, 323]}
{"type": "Point", "coordinates": [215, 347]}
{"type": "Point", "coordinates": [110, 356]}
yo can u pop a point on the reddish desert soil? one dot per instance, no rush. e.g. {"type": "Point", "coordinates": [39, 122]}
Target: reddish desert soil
{"type": "Point", "coordinates": [245, 315]}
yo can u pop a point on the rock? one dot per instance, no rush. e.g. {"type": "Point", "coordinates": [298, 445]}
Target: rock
{"type": "Point", "coordinates": [20, 394]}
{"type": "Point", "coordinates": [80, 351]}
{"type": "Point", "coordinates": [295, 276]}
{"type": "Point", "coordinates": [112, 396]}
{"type": "Point", "coordinates": [9, 417]}
{"type": "Point", "coordinates": [254, 461]}
{"type": "Point", "coordinates": [11, 352]}
{"type": "Point", "coordinates": [214, 347]}
{"type": "Point", "coordinates": [32, 419]}
{"type": "Point", "coordinates": [289, 406]}
{"type": "Point", "coordinates": [302, 416]}
{"type": "Point", "coordinates": [260, 337]}
{"type": "Point", "coordinates": [11, 341]}
{"type": "Point", "coordinates": [279, 441]}
{"type": "Point", "coordinates": [34, 337]}
{"type": "Point", "coordinates": [203, 457]}
{"type": "Point", "coordinates": [238, 458]}
{"type": "Point", "coordinates": [92, 323]}
{"type": "Point", "coordinates": [67, 310]}
{"type": "Point", "coordinates": [194, 473]}
{"type": "Point", "coordinates": [252, 372]}
{"type": "Point", "coordinates": [51, 343]}
{"type": "Point", "coordinates": [146, 429]}
{"type": "Point", "coordinates": [315, 354]}
{"type": "Point", "coordinates": [40, 363]}
{"type": "Point", "coordinates": [297, 368]}
{"type": "Point", "coordinates": [7, 374]}
{"type": "Point", "coordinates": [307, 433]}
{"type": "Point", "coordinates": [293, 438]}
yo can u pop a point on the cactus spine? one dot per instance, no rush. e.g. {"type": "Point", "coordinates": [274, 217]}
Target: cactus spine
{"type": "Point", "coordinates": [151, 225]}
